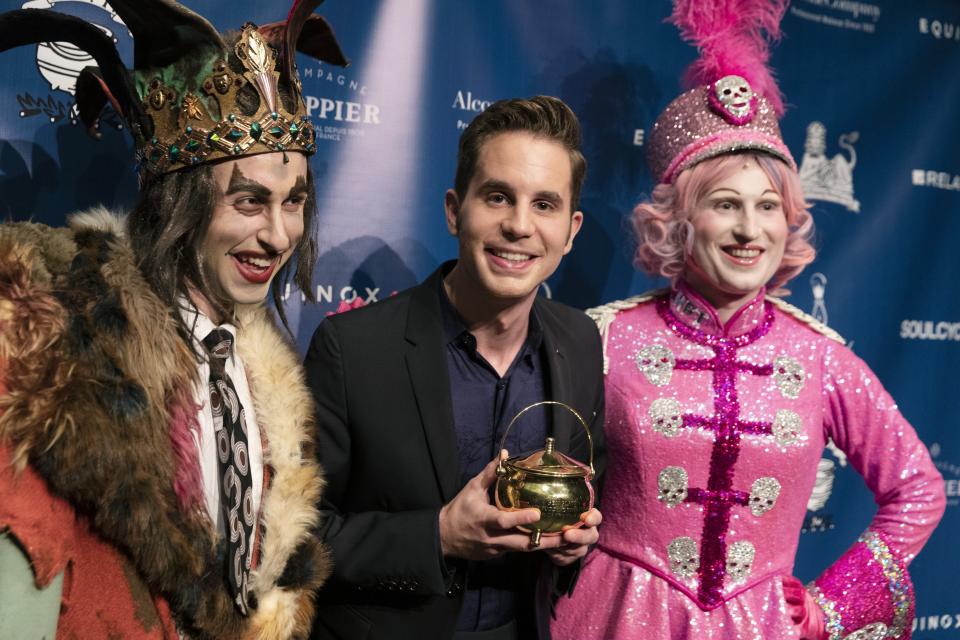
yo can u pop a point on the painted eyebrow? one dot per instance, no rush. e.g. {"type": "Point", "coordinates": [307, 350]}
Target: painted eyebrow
{"type": "Point", "coordinates": [239, 182]}
{"type": "Point", "coordinates": [299, 187]}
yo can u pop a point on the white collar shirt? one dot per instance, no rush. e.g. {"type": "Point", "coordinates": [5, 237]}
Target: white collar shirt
{"type": "Point", "coordinates": [205, 440]}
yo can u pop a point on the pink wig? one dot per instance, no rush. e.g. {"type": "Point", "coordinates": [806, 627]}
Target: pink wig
{"type": "Point", "coordinates": [665, 235]}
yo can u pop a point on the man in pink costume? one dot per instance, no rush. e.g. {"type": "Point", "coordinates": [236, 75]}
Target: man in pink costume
{"type": "Point", "coordinates": [721, 398]}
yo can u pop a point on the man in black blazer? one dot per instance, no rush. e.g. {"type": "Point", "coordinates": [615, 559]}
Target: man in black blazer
{"type": "Point", "coordinates": [414, 394]}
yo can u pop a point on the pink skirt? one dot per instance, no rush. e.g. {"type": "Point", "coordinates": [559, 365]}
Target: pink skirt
{"type": "Point", "coordinates": [616, 599]}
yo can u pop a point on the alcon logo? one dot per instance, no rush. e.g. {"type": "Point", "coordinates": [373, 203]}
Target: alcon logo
{"type": "Point", "coordinates": [466, 101]}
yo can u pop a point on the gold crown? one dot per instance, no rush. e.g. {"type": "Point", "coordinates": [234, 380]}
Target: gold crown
{"type": "Point", "coordinates": [206, 123]}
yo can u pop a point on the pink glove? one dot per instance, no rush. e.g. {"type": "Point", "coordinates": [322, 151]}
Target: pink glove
{"type": "Point", "coordinates": [804, 610]}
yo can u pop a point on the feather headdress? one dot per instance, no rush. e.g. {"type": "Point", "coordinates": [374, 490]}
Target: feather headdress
{"type": "Point", "coordinates": [734, 103]}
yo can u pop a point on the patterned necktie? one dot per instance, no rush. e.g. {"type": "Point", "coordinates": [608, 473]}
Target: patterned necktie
{"type": "Point", "coordinates": [236, 484]}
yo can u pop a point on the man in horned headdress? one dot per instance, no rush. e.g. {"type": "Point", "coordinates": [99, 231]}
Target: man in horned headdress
{"type": "Point", "coordinates": [155, 432]}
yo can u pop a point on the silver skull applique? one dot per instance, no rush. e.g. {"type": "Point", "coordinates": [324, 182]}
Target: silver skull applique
{"type": "Point", "coordinates": [734, 95]}
{"type": "Point", "coordinates": [763, 495]}
{"type": "Point", "coordinates": [740, 560]}
{"type": "Point", "coordinates": [666, 416]}
{"type": "Point", "coordinates": [872, 631]}
{"type": "Point", "coordinates": [684, 557]}
{"type": "Point", "coordinates": [786, 427]}
{"type": "Point", "coordinates": [789, 376]}
{"type": "Point", "coordinates": [656, 362]}
{"type": "Point", "coordinates": [672, 483]}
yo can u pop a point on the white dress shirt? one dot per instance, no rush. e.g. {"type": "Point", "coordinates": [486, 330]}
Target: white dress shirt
{"type": "Point", "coordinates": [205, 440]}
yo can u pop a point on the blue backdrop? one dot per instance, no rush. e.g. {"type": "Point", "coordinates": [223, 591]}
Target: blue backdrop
{"type": "Point", "coordinates": [873, 93]}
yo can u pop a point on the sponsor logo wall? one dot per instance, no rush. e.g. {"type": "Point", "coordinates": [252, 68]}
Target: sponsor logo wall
{"type": "Point", "coordinates": [872, 98]}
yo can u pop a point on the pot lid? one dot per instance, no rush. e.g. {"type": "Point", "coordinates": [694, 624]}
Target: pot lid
{"type": "Point", "coordinates": [549, 461]}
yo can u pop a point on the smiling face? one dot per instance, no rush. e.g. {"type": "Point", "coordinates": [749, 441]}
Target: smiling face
{"type": "Point", "coordinates": [739, 235]}
{"type": "Point", "coordinates": [254, 227]}
{"type": "Point", "coordinates": [515, 222]}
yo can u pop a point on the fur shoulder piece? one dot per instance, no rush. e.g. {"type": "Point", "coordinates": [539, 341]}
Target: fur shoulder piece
{"type": "Point", "coordinates": [605, 314]}
{"type": "Point", "coordinates": [806, 318]}
{"type": "Point", "coordinates": [99, 219]}
{"type": "Point", "coordinates": [97, 376]}
{"type": "Point", "coordinates": [293, 563]}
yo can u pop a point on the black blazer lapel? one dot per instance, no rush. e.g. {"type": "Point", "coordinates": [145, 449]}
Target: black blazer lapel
{"type": "Point", "coordinates": [427, 365]}
{"type": "Point", "coordinates": [561, 386]}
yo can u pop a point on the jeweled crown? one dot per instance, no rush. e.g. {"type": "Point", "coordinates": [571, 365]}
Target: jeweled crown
{"type": "Point", "coordinates": [208, 122]}
{"type": "Point", "coordinates": [191, 97]}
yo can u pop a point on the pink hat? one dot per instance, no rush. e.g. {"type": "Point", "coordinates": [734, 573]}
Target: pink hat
{"type": "Point", "coordinates": [737, 103]}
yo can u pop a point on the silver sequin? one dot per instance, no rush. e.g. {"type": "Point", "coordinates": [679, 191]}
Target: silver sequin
{"type": "Point", "coordinates": [684, 557]}
{"type": "Point", "coordinates": [873, 631]}
{"type": "Point", "coordinates": [666, 416]}
{"type": "Point", "coordinates": [789, 376]}
{"type": "Point", "coordinates": [672, 483]}
{"type": "Point", "coordinates": [786, 427]}
{"type": "Point", "coordinates": [656, 362]}
{"type": "Point", "coordinates": [740, 560]}
{"type": "Point", "coordinates": [763, 495]}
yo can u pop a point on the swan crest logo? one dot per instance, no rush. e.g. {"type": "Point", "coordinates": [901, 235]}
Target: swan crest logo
{"type": "Point", "coordinates": [829, 179]}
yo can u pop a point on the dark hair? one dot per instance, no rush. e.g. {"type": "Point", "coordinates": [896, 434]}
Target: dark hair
{"type": "Point", "coordinates": [542, 116]}
{"type": "Point", "coordinates": [169, 224]}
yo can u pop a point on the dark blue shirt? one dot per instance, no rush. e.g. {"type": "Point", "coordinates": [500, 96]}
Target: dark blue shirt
{"type": "Point", "coordinates": [484, 403]}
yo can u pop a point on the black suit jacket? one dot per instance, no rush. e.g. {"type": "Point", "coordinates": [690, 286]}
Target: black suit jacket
{"type": "Point", "coordinates": [389, 452]}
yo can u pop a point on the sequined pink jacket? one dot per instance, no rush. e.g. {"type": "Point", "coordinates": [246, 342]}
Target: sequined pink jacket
{"type": "Point", "coordinates": [714, 435]}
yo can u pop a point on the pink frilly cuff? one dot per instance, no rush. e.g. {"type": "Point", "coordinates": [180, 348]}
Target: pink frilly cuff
{"type": "Point", "coordinates": [867, 593]}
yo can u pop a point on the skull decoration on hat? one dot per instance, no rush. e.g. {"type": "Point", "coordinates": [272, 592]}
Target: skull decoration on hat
{"type": "Point", "coordinates": [735, 103]}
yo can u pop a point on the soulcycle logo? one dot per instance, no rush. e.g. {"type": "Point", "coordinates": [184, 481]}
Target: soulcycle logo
{"type": "Point", "coordinates": [930, 330]}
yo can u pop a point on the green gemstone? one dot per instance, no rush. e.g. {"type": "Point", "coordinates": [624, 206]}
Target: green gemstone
{"type": "Point", "coordinates": [156, 155]}
{"type": "Point", "coordinates": [236, 148]}
{"type": "Point", "coordinates": [276, 132]}
{"type": "Point", "coordinates": [189, 129]}
{"type": "Point", "coordinates": [192, 145]}
{"type": "Point", "coordinates": [231, 117]}
{"type": "Point", "coordinates": [256, 130]}
{"type": "Point", "coordinates": [294, 130]}
{"type": "Point", "coordinates": [274, 115]}
{"type": "Point", "coordinates": [174, 152]}
{"type": "Point", "coordinates": [213, 137]}
{"type": "Point", "coordinates": [235, 134]}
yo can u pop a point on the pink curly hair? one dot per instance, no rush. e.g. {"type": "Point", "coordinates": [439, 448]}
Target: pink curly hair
{"type": "Point", "coordinates": [665, 235]}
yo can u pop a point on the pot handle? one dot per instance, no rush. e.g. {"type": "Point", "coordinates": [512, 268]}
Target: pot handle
{"type": "Point", "coordinates": [583, 423]}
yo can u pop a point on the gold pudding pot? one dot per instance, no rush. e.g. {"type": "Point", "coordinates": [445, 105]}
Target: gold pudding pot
{"type": "Point", "coordinates": [548, 480]}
